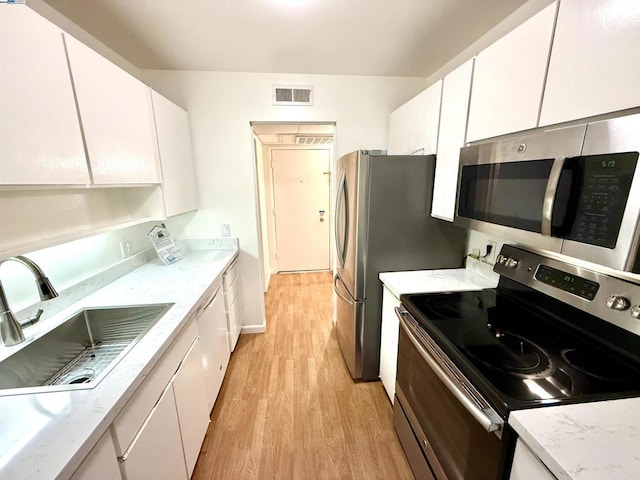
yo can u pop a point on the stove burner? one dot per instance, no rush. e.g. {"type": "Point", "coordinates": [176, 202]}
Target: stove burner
{"type": "Point", "coordinates": [511, 354]}
{"type": "Point", "coordinates": [600, 367]}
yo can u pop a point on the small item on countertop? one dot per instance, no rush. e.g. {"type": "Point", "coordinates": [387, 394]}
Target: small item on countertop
{"type": "Point", "coordinates": [164, 244]}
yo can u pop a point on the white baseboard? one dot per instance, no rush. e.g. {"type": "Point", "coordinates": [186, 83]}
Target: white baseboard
{"type": "Point", "coordinates": [254, 329]}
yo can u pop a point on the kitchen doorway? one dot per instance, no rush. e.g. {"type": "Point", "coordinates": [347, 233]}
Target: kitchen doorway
{"type": "Point", "coordinates": [294, 162]}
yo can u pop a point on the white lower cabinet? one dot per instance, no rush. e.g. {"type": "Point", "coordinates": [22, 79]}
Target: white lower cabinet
{"type": "Point", "coordinates": [156, 451]}
{"type": "Point", "coordinates": [389, 342]}
{"type": "Point", "coordinates": [191, 404]}
{"type": "Point", "coordinates": [212, 328]}
{"type": "Point", "coordinates": [159, 432]}
{"type": "Point", "coordinates": [233, 305]}
{"type": "Point", "coordinates": [526, 466]}
{"type": "Point", "coordinates": [101, 463]}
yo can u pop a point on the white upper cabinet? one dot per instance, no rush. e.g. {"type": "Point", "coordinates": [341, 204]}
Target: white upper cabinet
{"type": "Point", "coordinates": [453, 124]}
{"type": "Point", "coordinates": [174, 145]}
{"type": "Point", "coordinates": [594, 67]}
{"type": "Point", "coordinates": [413, 127]}
{"type": "Point", "coordinates": [40, 138]}
{"type": "Point", "coordinates": [115, 109]}
{"type": "Point", "coordinates": [508, 79]}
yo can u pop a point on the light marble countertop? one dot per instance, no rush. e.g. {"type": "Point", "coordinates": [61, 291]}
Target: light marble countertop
{"type": "Point", "coordinates": [47, 435]}
{"type": "Point", "coordinates": [448, 280]}
{"type": "Point", "coordinates": [586, 441]}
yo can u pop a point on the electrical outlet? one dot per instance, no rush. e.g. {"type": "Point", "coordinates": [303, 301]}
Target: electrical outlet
{"type": "Point", "coordinates": [226, 230]}
{"type": "Point", "coordinates": [490, 258]}
{"type": "Point", "coordinates": [125, 248]}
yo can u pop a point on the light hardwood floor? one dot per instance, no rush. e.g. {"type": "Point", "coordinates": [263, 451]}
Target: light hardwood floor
{"type": "Point", "coordinates": [288, 408]}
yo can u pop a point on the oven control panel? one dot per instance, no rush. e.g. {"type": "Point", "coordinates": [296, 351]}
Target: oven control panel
{"type": "Point", "coordinates": [612, 299]}
{"type": "Point", "coordinates": [568, 282]}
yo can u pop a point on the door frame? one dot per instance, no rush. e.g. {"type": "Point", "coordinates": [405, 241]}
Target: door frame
{"type": "Point", "coordinates": [264, 218]}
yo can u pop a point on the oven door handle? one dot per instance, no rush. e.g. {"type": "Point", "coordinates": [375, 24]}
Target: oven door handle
{"type": "Point", "coordinates": [550, 195]}
{"type": "Point", "coordinates": [483, 417]}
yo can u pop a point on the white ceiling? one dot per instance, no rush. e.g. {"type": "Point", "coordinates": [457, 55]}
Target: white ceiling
{"type": "Point", "coordinates": [347, 37]}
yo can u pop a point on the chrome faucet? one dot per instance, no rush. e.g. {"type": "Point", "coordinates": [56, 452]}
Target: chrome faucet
{"type": "Point", "coordinates": [10, 326]}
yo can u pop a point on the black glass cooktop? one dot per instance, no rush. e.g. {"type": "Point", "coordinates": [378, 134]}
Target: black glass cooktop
{"type": "Point", "coordinates": [518, 356]}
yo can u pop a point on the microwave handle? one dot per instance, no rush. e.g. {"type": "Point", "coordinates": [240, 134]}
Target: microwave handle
{"type": "Point", "coordinates": [550, 195]}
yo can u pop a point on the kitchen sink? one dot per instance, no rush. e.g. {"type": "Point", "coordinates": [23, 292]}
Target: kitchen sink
{"type": "Point", "coordinates": [79, 352]}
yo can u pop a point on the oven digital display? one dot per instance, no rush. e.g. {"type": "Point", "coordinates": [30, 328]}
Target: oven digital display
{"type": "Point", "coordinates": [567, 282]}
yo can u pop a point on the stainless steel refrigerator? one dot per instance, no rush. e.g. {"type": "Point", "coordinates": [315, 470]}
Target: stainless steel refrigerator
{"type": "Point", "coordinates": [382, 224]}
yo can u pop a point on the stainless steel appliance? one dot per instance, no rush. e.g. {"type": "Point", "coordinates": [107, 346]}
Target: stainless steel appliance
{"type": "Point", "coordinates": [382, 224]}
{"type": "Point", "coordinates": [550, 333]}
{"type": "Point", "coordinates": [573, 190]}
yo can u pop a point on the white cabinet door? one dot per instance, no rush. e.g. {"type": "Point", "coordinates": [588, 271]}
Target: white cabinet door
{"type": "Point", "coordinates": [174, 145]}
{"type": "Point", "coordinates": [212, 328]}
{"type": "Point", "coordinates": [156, 450]}
{"type": "Point", "coordinates": [453, 124]}
{"type": "Point", "coordinates": [593, 67]}
{"type": "Point", "coordinates": [115, 110]}
{"type": "Point", "coordinates": [101, 463]}
{"type": "Point", "coordinates": [413, 127]}
{"type": "Point", "coordinates": [191, 404]}
{"type": "Point", "coordinates": [526, 465]}
{"type": "Point", "coordinates": [40, 139]}
{"type": "Point", "coordinates": [389, 342]}
{"type": "Point", "coordinates": [508, 79]}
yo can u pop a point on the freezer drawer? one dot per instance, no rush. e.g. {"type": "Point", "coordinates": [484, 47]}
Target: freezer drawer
{"type": "Point", "coordinates": [349, 320]}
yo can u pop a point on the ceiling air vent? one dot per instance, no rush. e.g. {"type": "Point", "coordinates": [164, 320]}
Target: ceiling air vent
{"type": "Point", "coordinates": [314, 139]}
{"type": "Point", "coordinates": [292, 95]}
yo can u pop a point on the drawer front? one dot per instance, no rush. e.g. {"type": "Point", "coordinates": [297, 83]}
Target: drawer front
{"type": "Point", "coordinates": [129, 421]}
{"type": "Point", "coordinates": [231, 294]}
{"type": "Point", "coordinates": [234, 325]}
{"type": "Point", "coordinates": [230, 275]}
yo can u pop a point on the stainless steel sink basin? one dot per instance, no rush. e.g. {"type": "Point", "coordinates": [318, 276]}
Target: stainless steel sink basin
{"type": "Point", "coordinates": [80, 352]}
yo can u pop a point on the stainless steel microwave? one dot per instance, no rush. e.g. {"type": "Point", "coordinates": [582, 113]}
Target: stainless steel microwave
{"type": "Point", "coordinates": [573, 190]}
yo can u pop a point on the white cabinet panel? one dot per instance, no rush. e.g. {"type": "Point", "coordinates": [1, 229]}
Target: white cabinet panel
{"type": "Point", "coordinates": [389, 342]}
{"type": "Point", "coordinates": [594, 67]}
{"type": "Point", "coordinates": [176, 158]}
{"type": "Point", "coordinates": [212, 328]}
{"type": "Point", "coordinates": [233, 304]}
{"type": "Point", "coordinates": [115, 110]}
{"type": "Point", "coordinates": [191, 404]}
{"type": "Point", "coordinates": [526, 465]}
{"type": "Point", "coordinates": [40, 138]}
{"type": "Point", "coordinates": [453, 124]}
{"type": "Point", "coordinates": [101, 463]}
{"type": "Point", "coordinates": [413, 127]}
{"type": "Point", "coordinates": [156, 450]}
{"type": "Point", "coordinates": [508, 79]}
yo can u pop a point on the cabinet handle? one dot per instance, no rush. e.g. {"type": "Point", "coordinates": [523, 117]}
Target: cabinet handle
{"type": "Point", "coordinates": [127, 452]}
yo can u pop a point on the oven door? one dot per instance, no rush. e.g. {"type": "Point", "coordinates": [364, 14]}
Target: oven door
{"type": "Point", "coordinates": [458, 432]}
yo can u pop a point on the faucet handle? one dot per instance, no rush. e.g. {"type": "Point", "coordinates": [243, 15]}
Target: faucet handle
{"type": "Point", "coordinates": [31, 320]}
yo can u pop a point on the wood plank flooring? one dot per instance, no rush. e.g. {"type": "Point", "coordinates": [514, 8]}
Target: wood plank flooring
{"type": "Point", "coordinates": [288, 408]}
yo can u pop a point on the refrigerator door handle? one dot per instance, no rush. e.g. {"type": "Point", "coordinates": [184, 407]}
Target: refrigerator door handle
{"type": "Point", "coordinates": [337, 290]}
{"type": "Point", "coordinates": [342, 196]}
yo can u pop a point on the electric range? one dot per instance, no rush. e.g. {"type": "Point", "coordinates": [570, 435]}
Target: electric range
{"type": "Point", "coordinates": [550, 333]}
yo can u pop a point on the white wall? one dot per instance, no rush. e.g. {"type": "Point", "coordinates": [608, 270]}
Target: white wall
{"type": "Point", "coordinates": [221, 107]}
{"type": "Point", "coordinates": [69, 263]}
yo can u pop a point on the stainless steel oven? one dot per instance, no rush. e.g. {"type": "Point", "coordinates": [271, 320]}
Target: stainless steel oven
{"type": "Point", "coordinates": [550, 333]}
{"type": "Point", "coordinates": [573, 190]}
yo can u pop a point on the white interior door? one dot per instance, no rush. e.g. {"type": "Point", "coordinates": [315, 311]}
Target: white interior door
{"type": "Point", "coordinates": [301, 186]}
